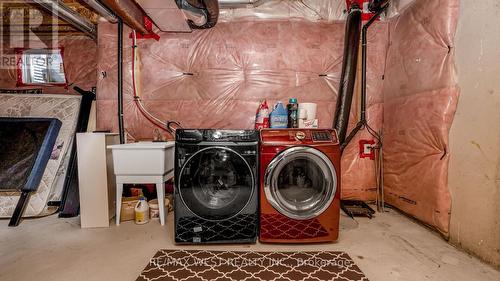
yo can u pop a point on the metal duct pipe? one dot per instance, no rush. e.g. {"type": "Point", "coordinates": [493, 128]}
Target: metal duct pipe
{"type": "Point", "coordinates": [102, 10]}
{"type": "Point", "coordinates": [348, 74]}
{"type": "Point", "coordinates": [121, 128]}
{"type": "Point", "coordinates": [64, 12]}
{"type": "Point", "coordinates": [129, 12]}
{"type": "Point", "coordinates": [225, 4]}
{"type": "Point", "coordinates": [364, 54]}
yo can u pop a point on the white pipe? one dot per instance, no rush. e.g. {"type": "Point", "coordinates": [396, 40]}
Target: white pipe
{"type": "Point", "coordinates": [58, 9]}
{"type": "Point", "coordinates": [135, 70]}
{"type": "Point", "coordinates": [239, 3]}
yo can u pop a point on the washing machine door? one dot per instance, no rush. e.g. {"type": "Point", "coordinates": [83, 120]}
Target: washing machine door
{"type": "Point", "coordinates": [216, 183]}
{"type": "Point", "coordinates": [300, 182]}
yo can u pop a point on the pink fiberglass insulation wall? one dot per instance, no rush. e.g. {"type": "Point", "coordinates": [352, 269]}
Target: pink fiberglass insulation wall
{"type": "Point", "coordinates": [420, 98]}
{"type": "Point", "coordinates": [79, 58]}
{"type": "Point", "coordinates": [215, 78]}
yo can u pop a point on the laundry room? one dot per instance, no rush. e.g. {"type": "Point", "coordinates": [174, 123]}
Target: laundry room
{"type": "Point", "coordinates": [249, 140]}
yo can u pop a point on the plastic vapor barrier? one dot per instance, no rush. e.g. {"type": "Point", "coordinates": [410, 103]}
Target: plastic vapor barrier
{"type": "Point", "coordinates": [420, 99]}
{"type": "Point", "coordinates": [312, 10]}
{"type": "Point", "coordinates": [216, 78]}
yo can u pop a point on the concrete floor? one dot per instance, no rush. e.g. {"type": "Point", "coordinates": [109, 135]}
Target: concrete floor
{"type": "Point", "coordinates": [388, 247]}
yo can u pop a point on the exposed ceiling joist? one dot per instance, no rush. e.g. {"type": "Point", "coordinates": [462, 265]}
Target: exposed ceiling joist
{"type": "Point", "coordinates": [27, 18]}
{"type": "Point", "coordinates": [128, 10]}
{"type": "Point", "coordinates": [102, 10]}
{"type": "Point", "coordinates": [62, 11]}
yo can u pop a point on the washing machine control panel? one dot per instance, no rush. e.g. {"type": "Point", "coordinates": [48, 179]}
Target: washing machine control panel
{"type": "Point", "coordinates": [231, 135]}
{"type": "Point", "coordinates": [212, 135]}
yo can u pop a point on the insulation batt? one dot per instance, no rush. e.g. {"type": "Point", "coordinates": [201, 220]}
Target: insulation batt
{"type": "Point", "coordinates": [216, 78]}
{"type": "Point", "coordinates": [420, 99]}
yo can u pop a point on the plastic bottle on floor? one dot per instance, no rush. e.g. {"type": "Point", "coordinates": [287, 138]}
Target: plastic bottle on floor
{"type": "Point", "coordinates": [142, 211]}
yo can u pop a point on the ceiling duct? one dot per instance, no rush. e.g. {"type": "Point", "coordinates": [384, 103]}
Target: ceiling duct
{"type": "Point", "coordinates": [65, 13]}
{"type": "Point", "coordinates": [228, 4]}
{"type": "Point", "coordinates": [102, 10]}
{"type": "Point", "coordinates": [200, 14]}
{"type": "Point", "coordinates": [165, 14]}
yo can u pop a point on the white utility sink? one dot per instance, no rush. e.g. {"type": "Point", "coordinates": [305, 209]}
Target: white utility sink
{"type": "Point", "coordinates": [143, 162]}
{"type": "Point", "coordinates": [143, 158]}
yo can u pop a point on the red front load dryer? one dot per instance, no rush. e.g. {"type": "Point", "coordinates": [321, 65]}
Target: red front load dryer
{"type": "Point", "coordinates": [299, 186]}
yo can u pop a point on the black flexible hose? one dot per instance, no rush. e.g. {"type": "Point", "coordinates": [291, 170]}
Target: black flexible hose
{"type": "Point", "coordinates": [348, 75]}
{"type": "Point", "coordinates": [364, 52]}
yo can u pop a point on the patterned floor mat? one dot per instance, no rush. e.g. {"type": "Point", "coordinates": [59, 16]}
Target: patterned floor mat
{"type": "Point", "coordinates": [201, 265]}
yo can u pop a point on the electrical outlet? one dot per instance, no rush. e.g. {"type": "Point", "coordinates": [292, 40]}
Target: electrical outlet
{"type": "Point", "coordinates": [366, 149]}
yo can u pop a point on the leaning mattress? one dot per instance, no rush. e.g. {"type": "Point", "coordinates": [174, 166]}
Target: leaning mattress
{"type": "Point", "coordinates": [63, 107]}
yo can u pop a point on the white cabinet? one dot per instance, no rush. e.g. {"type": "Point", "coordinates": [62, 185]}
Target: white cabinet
{"type": "Point", "coordinates": [95, 178]}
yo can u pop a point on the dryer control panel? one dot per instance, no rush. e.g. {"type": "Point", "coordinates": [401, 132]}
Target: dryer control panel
{"type": "Point", "coordinates": [303, 136]}
{"type": "Point", "coordinates": [321, 136]}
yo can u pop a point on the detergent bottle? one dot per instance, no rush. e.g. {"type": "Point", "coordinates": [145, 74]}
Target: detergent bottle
{"type": "Point", "coordinates": [142, 211]}
{"type": "Point", "coordinates": [279, 116]}
{"type": "Point", "coordinates": [293, 108]}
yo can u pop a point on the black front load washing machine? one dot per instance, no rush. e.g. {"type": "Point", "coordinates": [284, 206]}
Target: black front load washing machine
{"type": "Point", "coordinates": [216, 186]}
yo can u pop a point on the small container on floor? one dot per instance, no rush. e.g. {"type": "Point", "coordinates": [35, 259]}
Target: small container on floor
{"type": "Point", "coordinates": [128, 208]}
{"type": "Point", "coordinates": [154, 210]}
{"type": "Point", "coordinates": [142, 211]}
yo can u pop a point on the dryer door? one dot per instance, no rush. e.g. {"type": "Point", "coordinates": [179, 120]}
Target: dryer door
{"type": "Point", "coordinates": [216, 183]}
{"type": "Point", "coordinates": [300, 182]}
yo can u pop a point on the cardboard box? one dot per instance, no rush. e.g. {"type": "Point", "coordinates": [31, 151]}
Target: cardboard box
{"type": "Point", "coordinates": [128, 208]}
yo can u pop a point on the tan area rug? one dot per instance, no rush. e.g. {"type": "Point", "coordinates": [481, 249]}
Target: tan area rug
{"type": "Point", "coordinates": [200, 265]}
